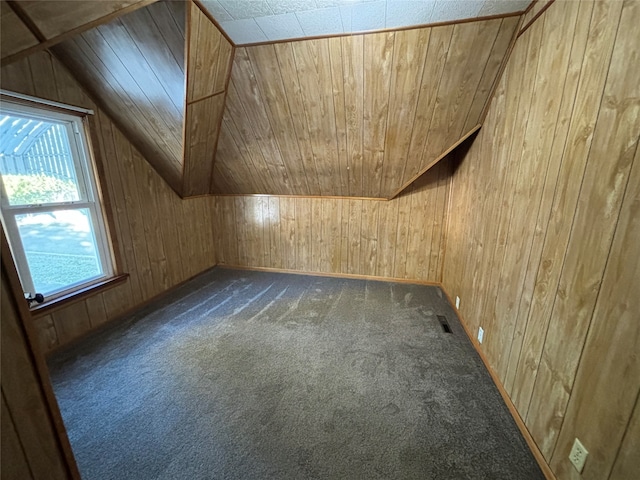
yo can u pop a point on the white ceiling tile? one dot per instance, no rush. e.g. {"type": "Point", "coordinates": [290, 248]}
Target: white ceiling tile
{"type": "Point", "coordinates": [496, 7]}
{"type": "Point", "coordinates": [337, 3]}
{"type": "Point", "coordinates": [445, 10]}
{"type": "Point", "coordinates": [244, 31]}
{"type": "Point", "coordinates": [345, 14]}
{"type": "Point", "coordinates": [368, 16]}
{"type": "Point", "coordinates": [407, 13]}
{"type": "Point", "coordinates": [279, 27]}
{"type": "Point", "coordinates": [217, 10]}
{"type": "Point", "coordinates": [323, 21]}
{"type": "Point", "coordinates": [240, 9]}
{"type": "Point", "coordinates": [291, 6]}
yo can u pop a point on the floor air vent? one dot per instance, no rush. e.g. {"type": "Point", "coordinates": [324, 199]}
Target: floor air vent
{"type": "Point", "coordinates": [443, 322]}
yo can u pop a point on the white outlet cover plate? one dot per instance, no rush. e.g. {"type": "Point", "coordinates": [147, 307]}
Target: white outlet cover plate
{"type": "Point", "coordinates": [480, 334]}
{"type": "Point", "coordinates": [578, 455]}
{"type": "Point", "coordinates": [457, 302]}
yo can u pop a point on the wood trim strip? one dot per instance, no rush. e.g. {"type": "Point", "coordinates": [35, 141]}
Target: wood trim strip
{"type": "Point", "coordinates": [354, 276]}
{"type": "Point", "coordinates": [337, 197]}
{"type": "Point", "coordinates": [82, 28]}
{"type": "Point", "coordinates": [24, 18]}
{"type": "Point", "coordinates": [536, 16]}
{"type": "Point", "coordinates": [537, 454]}
{"type": "Point", "coordinates": [503, 67]}
{"type": "Point", "coordinates": [41, 370]}
{"type": "Point", "coordinates": [531, 5]}
{"type": "Point", "coordinates": [77, 295]}
{"type": "Point", "coordinates": [108, 210]}
{"type": "Point", "coordinates": [381, 30]}
{"type": "Point", "coordinates": [430, 165]}
{"type": "Point", "coordinates": [205, 97]}
{"type": "Point", "coordinates": [214, 21]}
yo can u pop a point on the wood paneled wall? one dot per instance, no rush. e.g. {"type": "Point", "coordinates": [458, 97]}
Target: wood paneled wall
{"type": "Point", "coordinates": [400, 238]}
{"type": "Point", "coordinates": [48, 22]}
{"type": "Point", "coordinates": [359, 115]}
{"type": "Point", "coordinates": [208, 69]}
{"type": "Point", "coordinates": [162, 239]}
{"type": "Point", "coordinates": [135, 67]}
{"type": "Point", "coordinates": [544, 250]}
{"type": "Point", "coordinates": [30, 448]}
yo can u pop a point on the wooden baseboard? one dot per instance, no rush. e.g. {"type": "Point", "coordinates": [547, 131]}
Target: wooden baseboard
{"type": "Point", "coordinates": [544, 466]}
{"type": "Point", "coordinates": [334, 275]}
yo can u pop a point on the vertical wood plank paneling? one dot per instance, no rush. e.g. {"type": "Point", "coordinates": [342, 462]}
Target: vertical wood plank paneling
{"type": "Point", "coordinates": [95, 310]}
{"type": "Point", "coordinates": [304, 222]}
{"type": "Point", "coordinates": [559, 136]}
{"type": "Point", "coordinates": [288, 231]}
{"type": "Point", "coordinates": [46, 331]}
{"type": "Point", "coordinates": [354, 238]}
{"type": "Point", "coordinates": [378, 62]}
{"type": "Point", "coordinates": [604, 369]}
{"type": "Point", "coordinates": [387, 228]}
{"type": "Point", "coordinates": [277, 254]}
{"type": "Point", "coordinates": [407, 72]}
{"type": "Point", "coordinates": [265, 61]}
{"type": "Point", "coordinates": [578, 142]}
{"type": "Point", "coordinates": [24, 400]}
{"type": "Point", "coordinates": [627, 463]}
{"type": "Point", "coordinates": [129, 65]}
{"type": "Point", "coordinates": [304, 164]}
{"type": "Point", "coordinates": [202, 119]}
{"type": "Point", "coordinates": [144, 209]}
{"type": "Point", "coordinates": [615, 138]}
{"type": "Point", "coordinates": [353, 71]}
{"type": "Point", "coordinates": [338, 90]}
{"type": "Point", "coordinates": [439, 44]}
{"type": "Point", "coordinates": [369, 236]}
{"type": "Point", "coordinates": [402, 234]}
{"type": "Point", "coordinates": [359, 115]}
{"type": "Point", "coordinates": [18, 467]}
{"type": "Point", "coordinates": [401, 238]}
{"type": "Point", "coordinates": [506, 35]}
{"type": "Point", "coordinates": [204, 48]}
{"type": "Point", "coordinates": [71, 322]}
{"type": "Point", "coordinates": [542, 250]}
{"type": "Point", "coordinates": [313, 67]}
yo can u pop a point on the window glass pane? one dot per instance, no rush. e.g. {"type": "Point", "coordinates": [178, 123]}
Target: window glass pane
{"type": "Point", "coordinates": [60, 247]}
{"type": "Point", "coordinates": [36, 161]}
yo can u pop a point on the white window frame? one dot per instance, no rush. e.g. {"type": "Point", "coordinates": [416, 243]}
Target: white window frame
{"type": "Point", "coordinates": [75, 121]}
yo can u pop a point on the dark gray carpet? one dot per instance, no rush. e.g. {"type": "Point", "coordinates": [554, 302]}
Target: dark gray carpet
{"type": "Point", "coordinates": [252, 375]}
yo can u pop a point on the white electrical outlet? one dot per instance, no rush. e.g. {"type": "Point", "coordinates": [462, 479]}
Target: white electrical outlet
{"type": "Point", "coordinates": [457, 302]}
{"type": "Point", "coordinates": [480, 334]}
{"type": "Point", "coordinates": [578, 455]}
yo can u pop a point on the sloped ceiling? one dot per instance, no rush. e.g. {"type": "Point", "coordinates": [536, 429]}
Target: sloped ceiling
{"type": "Point", "coordinates": [358, 115]}
{"type": "Point", "coordinates": [169, 105]}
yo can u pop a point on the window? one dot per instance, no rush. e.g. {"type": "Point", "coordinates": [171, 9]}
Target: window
{"type": "Point", "coordinates": [50, 204]}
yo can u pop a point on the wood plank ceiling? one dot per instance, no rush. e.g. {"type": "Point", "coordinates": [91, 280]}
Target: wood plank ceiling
{"type": "Point", "coordinates": [359, 116]}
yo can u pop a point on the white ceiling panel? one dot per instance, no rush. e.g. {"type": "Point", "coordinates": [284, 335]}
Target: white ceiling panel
{"type": "Point", "coordinates": [253, 21]}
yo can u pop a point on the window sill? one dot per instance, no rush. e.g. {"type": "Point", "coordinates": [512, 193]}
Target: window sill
{"type": "Point", "coordinates": [76, 296]}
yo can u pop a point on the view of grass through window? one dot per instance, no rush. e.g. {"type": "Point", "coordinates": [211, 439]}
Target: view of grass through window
{"type": "Point", "coordinates": [43, 199]}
